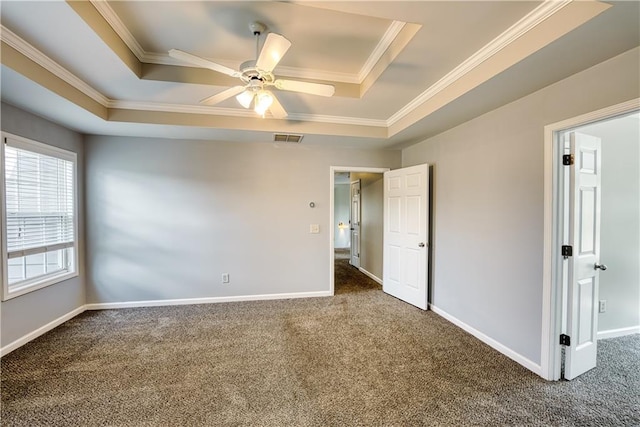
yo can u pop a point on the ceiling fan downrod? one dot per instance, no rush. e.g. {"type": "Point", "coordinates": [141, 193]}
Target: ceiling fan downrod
{"type": "Point", "coordinates": [257, 28]}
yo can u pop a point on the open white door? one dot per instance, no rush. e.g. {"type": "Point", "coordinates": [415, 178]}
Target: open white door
{"type": "Point", "coordinates": [354, 220]}
{"type": "Point", "coordinates": [406, 220]}
{"type": "Point", "coordinates": [584, 262]}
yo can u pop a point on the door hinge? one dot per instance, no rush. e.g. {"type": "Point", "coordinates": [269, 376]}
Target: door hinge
{"type": "Point", "coordinates": [567, 251]}
{"type": "Point", "coordinates": [565, 340]}
{"type": "Point", "coordinates": [567, 159]}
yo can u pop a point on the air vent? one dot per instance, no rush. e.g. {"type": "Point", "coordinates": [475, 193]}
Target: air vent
{"type": "Point", "coordinates": [287, 137]}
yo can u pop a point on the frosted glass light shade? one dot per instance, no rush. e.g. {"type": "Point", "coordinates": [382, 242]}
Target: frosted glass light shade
{"type": "Point", "coordinates": [245, 98]}
{"type": "Point", "coordinates": [264, 99]}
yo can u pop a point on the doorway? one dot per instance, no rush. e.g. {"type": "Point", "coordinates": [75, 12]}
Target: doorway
{"type": "Point", "coordinates": [583, 235]}
{"type": "Point", "coordinates": [371, 189]}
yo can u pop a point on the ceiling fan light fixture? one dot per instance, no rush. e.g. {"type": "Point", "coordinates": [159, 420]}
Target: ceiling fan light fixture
{"type": "Point", "coordinates": [264, 99]}
{"type": "Point", "coordinates": [245, 98]}
{"type": "Point", "coordinates": [256, 75]}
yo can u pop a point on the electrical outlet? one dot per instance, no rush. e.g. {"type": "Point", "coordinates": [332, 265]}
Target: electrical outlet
{"type": "Point", "coordinates": [602, 306]}
{"type": "Point", "coordinates": [225, 277]}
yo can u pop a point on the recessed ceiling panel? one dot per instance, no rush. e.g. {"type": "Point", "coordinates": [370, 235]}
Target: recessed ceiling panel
{"type": "Point", "coordinates": [322, 39]}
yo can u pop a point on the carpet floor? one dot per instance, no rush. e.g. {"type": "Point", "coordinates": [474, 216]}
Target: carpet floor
{"type": "Point", "coordinates": [360, 358]}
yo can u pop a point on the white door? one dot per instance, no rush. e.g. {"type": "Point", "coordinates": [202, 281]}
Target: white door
{"type": "Point", "coordinates": [406, 220]}
{"type": "Point", "coordinates": [584, 264]}
{"type": "Point", "coordinates": [354, 220]}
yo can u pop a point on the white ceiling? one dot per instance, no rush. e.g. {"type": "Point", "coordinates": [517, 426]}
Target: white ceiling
{"type": "Point", "coordinates": [403, 70]}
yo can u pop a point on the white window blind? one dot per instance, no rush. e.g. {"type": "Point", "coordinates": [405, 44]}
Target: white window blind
{"type": "Point", "coordinates": [39, 197]}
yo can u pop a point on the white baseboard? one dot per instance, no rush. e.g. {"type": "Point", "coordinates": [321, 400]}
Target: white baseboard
{"type": "Point", "coordinates": [517, 357]}
{"type": "Point", "coordinates": [371, 275]}
{"type": "Point", "coordinates": [154, 303]}
{"type": "Point", "coordinates": [40, 331]}
{"type": "Point", "coordinates": [208, 300]}
{"type": "Point", "coordinates": [615, 333]}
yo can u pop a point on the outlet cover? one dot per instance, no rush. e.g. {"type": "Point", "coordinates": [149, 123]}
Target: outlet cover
{"type": "Point", "coordinates": [314, 228]}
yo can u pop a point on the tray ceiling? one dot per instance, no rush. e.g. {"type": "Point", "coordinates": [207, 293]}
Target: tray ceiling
{"type": "Point", "coordinates": [103, 67]}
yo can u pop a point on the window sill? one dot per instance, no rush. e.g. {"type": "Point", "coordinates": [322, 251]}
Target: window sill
{"type": "Point", "coordinates": [16, 291]}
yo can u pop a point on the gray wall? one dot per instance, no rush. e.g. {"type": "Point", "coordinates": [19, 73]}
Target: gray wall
{"type": "Point", "coordinates": [341, 207]}
{"type": "Point", "coordinates": [620, 226]}
{"type": "Point", "coordinates": [167, 217]}
{"type": "Point", "coordinates": [26, 313]}
{"type": "Point", "coordinates": [371, 186]}
{"type": "Point", "coordinates": [488, 196]}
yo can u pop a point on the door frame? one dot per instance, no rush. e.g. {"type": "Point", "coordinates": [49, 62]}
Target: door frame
{"type": "Point", "coordinates": [332, 172]}
{"type": "Point", "coordinates": [552, 310]}
{"type": "Point", "coordinates": [351, 226]}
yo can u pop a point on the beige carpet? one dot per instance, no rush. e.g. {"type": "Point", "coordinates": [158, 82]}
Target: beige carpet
{"type": "Point", "coordinates": [359, 358]}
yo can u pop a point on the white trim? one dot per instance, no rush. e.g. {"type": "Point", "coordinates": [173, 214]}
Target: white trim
{"type": "Point", "coordinates": [511, 354]}
{"type": "Point", "coordinates": [42, 281]}
{"type": "Point", "coordinates": [530, 21]}
{"type": "Point", "coordinates": [38, 282]}
{"type": "Point", "coordinates": [152, 303]}
{"type": "Point", "coordinates": [179, 108]}
{"type": "Point", "coordinates": [23, 143]}
{"type": "Point", "coordinates": [370, 275]}
{"type": "Point", "coordinates": [207, 300]}
{"type": "Point", "coordinates": [118, 26]}
{"type": "Point", "coordinates": [357, 121]}
{"type": "Point", "coordinates": [621, 332]}
{"type": "Point", "coordinates": [332, 174]}
{"type": "Point", "coordinates": [13, 40]}
{"type": "Point", "coordinates": [517, 30]}
{"type": "Point", "coordinates": [4, 284]}
{"type": "Point", "coordinates": [40, 331]}
{"type": "Point", "coordinates": [551, 322]}
{"type": "Point", "coordinates": [389, 36]}
{"type": "Point", "coordinates": [238, 112]}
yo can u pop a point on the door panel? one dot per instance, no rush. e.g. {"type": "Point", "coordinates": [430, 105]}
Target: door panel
{"type": "Point", "coordinates": [405, 234]}
{"type": "Point", "coordinates": [584, 236]}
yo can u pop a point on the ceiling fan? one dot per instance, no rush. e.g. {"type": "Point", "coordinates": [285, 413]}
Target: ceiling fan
{"type": "Point", "coordinates": [257, 76]}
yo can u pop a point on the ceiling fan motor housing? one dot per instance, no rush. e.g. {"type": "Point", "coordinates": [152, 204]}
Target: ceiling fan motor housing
{"type": "Point", "coordinates": [251, 73]}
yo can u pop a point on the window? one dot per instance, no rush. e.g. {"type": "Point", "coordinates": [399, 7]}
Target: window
{"type": "Point", "coordinates": [39, 239]}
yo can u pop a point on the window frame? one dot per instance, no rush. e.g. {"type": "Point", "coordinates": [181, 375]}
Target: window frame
{"type": "Point", "coordinates": [46, 279]}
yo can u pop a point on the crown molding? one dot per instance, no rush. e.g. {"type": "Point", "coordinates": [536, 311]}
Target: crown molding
{"type": "Point", "coordinates": [237, 112]}
{"type": "Point", "coordinates": [13, 40]}
{"type": "Point", "coordinates": [524, 25]}
{"type": "Point", "coordinates": [337, 120]}
{"type": "Point", "coordinates": [530, 21]}
{"type": "Point", "coordinates": [118, 26]}
{"type": "Point", "coordinates": [59, 71]}
{"type": "Point", "coordinates": [389, 36]}
{"type": "Point", "coordinates": [179, 108]}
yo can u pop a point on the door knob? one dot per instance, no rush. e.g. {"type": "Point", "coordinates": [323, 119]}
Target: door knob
{"type": "Point", "coordinates": [600, 267]}
{"type": "Point", "coordinates": [421, 245]}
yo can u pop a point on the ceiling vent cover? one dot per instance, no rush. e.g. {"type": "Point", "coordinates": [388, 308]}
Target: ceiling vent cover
{"type": "Point", "coordinates": [287, 137]}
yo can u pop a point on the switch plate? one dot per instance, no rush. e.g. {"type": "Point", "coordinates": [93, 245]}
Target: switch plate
{"type": "Point", "coordinates": [225, 277]}
{"type": "Point", "coordinates": [602, 306]}
{"type": "Point", "coordinates": [314, 228]}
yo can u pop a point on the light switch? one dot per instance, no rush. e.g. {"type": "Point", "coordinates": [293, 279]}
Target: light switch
{"type": "Point", "coordinates": [314, 228]}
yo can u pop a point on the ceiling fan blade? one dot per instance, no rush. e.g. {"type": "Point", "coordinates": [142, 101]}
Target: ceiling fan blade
{"type": "Point", "coordinates": [276, 109]}
{"type": "Point", "coordinates": [305, 87]}
{"type": "Point", "coordinates": [272, 52]}
{"type": "Point", "coordinates": [201, 62]}
{"type": "Point", "coordinates": [225, 94]}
